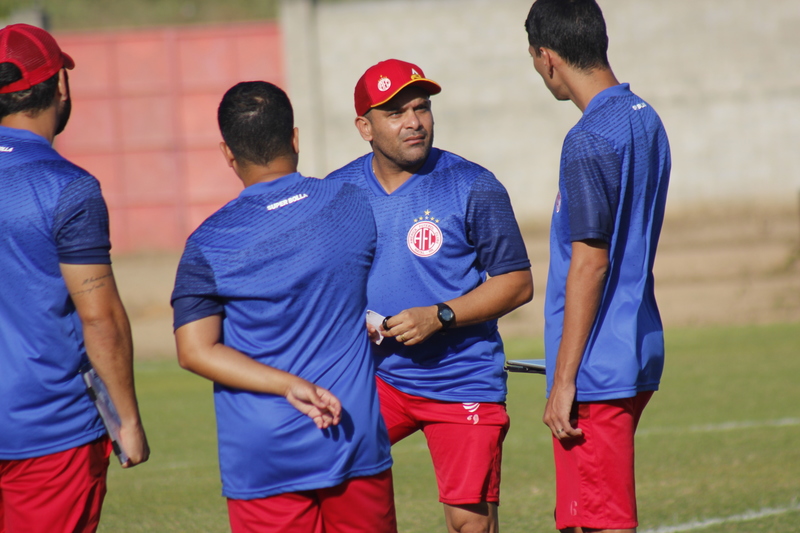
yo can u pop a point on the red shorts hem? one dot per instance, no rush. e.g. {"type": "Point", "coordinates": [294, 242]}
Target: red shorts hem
{"type": "Point", "coordinates": [469, 501]}
{"type": "Point", "coordinates": [600, 526]}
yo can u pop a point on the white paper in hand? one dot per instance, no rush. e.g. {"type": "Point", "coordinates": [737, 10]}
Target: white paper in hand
{"type": "Point", "coordinates": [375, 320]}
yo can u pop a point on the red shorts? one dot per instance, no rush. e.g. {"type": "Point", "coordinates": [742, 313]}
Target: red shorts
{"type": "Point", "coordinates": [595, 485]}
{"type": "Point", "coordinates": [62, 491]}
{"type": "Point", "coordinates": [362, 504]}
{"type": "Point", "coordinates": [465, 441]}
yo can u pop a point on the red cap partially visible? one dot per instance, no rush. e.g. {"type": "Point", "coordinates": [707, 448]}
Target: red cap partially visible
{"type": "Point", "coordinates": [381, 82]}
{"type": "Point", "coordinates": [34, 52]}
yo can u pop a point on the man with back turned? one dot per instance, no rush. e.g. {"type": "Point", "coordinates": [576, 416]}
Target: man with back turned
{"type": "Point", "coordinates": [604, 342]}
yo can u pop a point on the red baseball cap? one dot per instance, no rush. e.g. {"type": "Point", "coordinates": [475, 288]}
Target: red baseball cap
{"type": "Point", "coordinates": [34, 52]}
{"type": "Point", "coordinates": [381, 82]}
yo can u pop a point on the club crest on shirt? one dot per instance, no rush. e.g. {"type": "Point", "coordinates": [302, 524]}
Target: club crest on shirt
{"type": "Point", "coordinates": [424, 238]}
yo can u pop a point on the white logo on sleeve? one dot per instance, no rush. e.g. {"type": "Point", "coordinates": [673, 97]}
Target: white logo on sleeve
{"type": "Point", "coordinates": [637, 107]}
{"type": "Point", "coordinates": [6, 149]}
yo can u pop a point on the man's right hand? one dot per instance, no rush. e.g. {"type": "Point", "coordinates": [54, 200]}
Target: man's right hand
{"type": "Point", "coordinates": [557, 412]}
{"type": "Point", "coordinates": [413, 325]}
{"type": "Point", "coordinates": [315, 402]}
{"type": "Point", "coordinates": [134, 442]}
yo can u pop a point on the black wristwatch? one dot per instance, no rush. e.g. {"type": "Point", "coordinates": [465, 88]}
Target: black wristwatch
{"type": "Point", "coordinates": [446, 316]}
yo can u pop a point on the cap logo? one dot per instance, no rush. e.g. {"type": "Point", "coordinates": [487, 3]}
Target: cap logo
{"type": "Point", "coordinates": [415, 75]}
{"type": "Point", "coordinates": [384, 84]}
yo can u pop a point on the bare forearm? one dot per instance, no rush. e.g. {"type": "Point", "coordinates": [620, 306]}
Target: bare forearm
{"type": "Point", "coordinates": [226, 366]}
{"type": "Point", "coordinates": [110, 350]}
{"type": "Point", "coordinates": [107, 337]}
{"type": "Point", "coordinates": [493, 299]}
{"type": "Point", "coordinates": [106, 332]}
{"type": "Point", "coordinates": [496, 297]}
{"type": "Point", "coordinates": [584, 290]}
{"type": "Point", "coordinates": [200, 351]}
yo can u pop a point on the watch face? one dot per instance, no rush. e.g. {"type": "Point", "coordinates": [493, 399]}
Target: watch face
{"type": "Point", "coordinates": [446, 315]}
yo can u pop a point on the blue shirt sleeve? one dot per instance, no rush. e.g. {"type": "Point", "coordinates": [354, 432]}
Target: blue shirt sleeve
{"type": "Point", "coordinates": [80, 227]}
{"type": "Point", "coordinates": [191, 308]}
{"type": "Point", "coordinates": [590, 186]}
{"type": "Point", "coordinates": [492, 228]}
{"type": "Point", "coordinates": [195, 295]}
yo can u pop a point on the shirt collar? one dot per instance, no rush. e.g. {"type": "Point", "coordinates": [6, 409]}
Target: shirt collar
{"type": "Point", "coordinates": [623, 89]}
{"type": "Point", "coordinates": [22, 135]}
{"type": "Point", "coordinates": [266, 187]}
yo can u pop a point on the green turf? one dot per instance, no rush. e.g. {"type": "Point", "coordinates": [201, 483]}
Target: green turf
{"type": "Point", "coordinates": [719, 440]}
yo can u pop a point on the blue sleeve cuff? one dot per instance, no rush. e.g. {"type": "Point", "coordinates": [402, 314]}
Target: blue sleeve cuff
{"type": "Point", "coordinates": [497, 270]}
{"type": "Point", "coordinates": [191, 308]}
{"type": "Point", "coordinates": [90, 256]}
{"type": "Point", "coordinates": [587, 235]}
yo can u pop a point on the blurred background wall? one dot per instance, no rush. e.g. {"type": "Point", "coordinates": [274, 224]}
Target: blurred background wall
{"type": "Point", "coordinates": [145, 122]}
{"type": "Point", "coordinates": [720, 72]}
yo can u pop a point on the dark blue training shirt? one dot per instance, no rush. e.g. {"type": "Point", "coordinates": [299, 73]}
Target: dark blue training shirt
{"type": "Point", "coordinates": [51, 212]}
{"type": "Point", "coordinates": [439, 235]}
{"type": "Point", "coordinates": [286, 265]}
{"type": "Point", "coordinates": [614, 176]}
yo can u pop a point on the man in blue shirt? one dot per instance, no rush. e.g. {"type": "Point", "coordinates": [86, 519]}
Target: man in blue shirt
{"type": "Point", "coordinates": [604, 340]}
{"type": "Point", "coordinates": [269, 303]}
{"type": "Point", "coordinates": [450, 261]}
{"type": "Point", "coordinates": [59, 306]}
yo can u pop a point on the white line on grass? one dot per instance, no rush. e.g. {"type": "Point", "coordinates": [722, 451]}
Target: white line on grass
{"type": "Point", "coordinates": [749, 515]}
{"type": "Point", "coordinates": [725, 426]}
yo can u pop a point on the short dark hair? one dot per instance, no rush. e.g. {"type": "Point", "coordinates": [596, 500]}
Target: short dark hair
{"type": "Point", "coordinates": [257, 122]}
{"type": "Point", "coordinates": [574, 29]}
{"type": "Point", "coordinates": [32, 101]}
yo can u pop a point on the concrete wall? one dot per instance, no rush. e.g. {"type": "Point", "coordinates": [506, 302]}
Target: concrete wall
{"type": "Point", "coordinates": [722, 73]}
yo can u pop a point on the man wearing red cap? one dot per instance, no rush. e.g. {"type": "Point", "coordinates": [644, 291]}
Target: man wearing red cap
{"type": "Point", "coordinates": [59, 306]}
{"type": "Point", "coordinates": [450, 261]}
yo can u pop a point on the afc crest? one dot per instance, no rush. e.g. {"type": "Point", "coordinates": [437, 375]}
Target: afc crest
{"type": "Point", "coordinates": [424, 238]}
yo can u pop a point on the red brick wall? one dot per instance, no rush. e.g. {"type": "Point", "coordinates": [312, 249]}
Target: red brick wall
{"type": "Point", "coordinates": [144, 121]}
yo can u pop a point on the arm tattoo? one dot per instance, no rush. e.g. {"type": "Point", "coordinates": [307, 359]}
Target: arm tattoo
{"type": "Point", "coordinates": [92, 283]}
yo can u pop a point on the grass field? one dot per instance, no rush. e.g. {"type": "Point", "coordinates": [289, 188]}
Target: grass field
{"type": "Point", "coordinates": [718, 448]}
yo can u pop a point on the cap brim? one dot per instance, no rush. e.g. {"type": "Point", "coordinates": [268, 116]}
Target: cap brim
{"type": "Point", "coordinates": [424, 83]}
{"type": "Point", "coordinates": [69, 63]}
